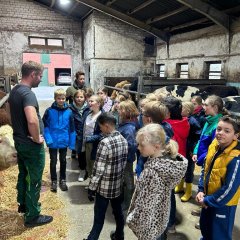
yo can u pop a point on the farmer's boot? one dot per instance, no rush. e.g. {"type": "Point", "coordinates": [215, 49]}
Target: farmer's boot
{"type": "Point", "coordinates": [188, 193]}
{"type": "Point", "coordinates": [179, 188]}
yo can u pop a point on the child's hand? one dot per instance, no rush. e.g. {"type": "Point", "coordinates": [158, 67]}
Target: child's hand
{"type": "Point", "coordinates": [194, 158]}
{"type": "Point", "coordinates": [199, 197]}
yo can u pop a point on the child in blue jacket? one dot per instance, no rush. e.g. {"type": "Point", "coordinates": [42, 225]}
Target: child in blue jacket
{"type": "Point", "coordinates": [59, 134]}
{"type": "Point", "coordinates": [128, 113]}
{"type": "Point", "coordinates": [218, 189]}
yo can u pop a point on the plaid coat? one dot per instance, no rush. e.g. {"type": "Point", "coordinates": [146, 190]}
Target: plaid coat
{"type": "Point", "coordinates": [108, 169]}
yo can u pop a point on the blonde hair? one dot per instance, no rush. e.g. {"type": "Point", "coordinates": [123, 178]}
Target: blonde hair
{"type": "Point", "coordinates": [59, 92]}
{"type": "Point", "coordinates": [161, 93]}
{"type": "Point", "coordinates": [189, 106]}
{"type": "Point", "coordinates": [153, 134]}
{"type": "Point", "coordinates": [128, 110]}
{"type": "Point", "coordinates": [156, 111]}
{"type": "Point", "coordinates": [98, 99]}
{"type": "Point", "coordinates": [151, 97]}
{"type": "Point", "coordinates": [144, 101]}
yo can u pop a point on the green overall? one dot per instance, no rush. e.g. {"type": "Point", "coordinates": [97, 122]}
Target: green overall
{"type": "Point", "coordinates": [31, 162]}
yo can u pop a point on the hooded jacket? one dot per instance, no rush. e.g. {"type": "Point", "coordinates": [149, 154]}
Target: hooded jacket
{"type": "Point", "coordinates": [206, 138]}
{"type": "Point", "coordinates": [128, 131]}
{"type": "Point", "coordinates": [79, 120]}
{"type": "Point", "coordinates": [181, 131]}
{"type": "Point", "coordinates": [150, 206]}
{"type": "Point", "coordinates": [59, 131]}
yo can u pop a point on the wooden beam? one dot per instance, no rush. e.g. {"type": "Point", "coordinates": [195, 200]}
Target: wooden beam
{"type": "Point", "coordinates": [201, 20]}
{"type": "Point", "coordinates": [141, 6]}
{"type": "Point", "coordinates": [110, 2]}
{"type": "Point", "coordinates": [168, 14]}
{"type": "Point", "coordinates": [125, 18]}
{"type": "Point", "coordinates": [218, 17]}
{"type": "Point", "coordinates": [52, 3]}
{"type": "Point", "coordinates": [73, 8]}
{"type": "Point", "coordinates": [188, 24]}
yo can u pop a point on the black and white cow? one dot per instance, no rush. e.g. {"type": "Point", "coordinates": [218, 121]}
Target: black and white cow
{"type": "Point", "coordinates": [232, 104]}
{"type": "Point", "coordinates": [186, 92]}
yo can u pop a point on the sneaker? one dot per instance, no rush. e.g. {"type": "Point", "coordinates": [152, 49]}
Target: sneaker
{"type": "Point", "coordinates": [54, 186]}
{"type": "Point", "coordinates": [21, 208]}
{"type": "Point", "coordinates": [82, 175]}
{"type": "Point", "coordinates": [196, 212]}
{"type": "Point", "coordinates": [113, 236]}
{"type": "Point", "coordinates": [38, 221]}
{"type": "Point", "coordinates": [171, 229]}
{"type": "Point", "coordinates": [63, 186]}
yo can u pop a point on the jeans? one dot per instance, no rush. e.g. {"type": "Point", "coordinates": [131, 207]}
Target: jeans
{"type": "Point", "coordinates": [31, 162]}
{"type": "Point", "coordinates": [53, 163]}
{"type": "Point", "coordinates": [100, 208]}
{"type": "Point", "coordinates": [128, 186]}
{"type": "Point", "coordinates": [172, 215]}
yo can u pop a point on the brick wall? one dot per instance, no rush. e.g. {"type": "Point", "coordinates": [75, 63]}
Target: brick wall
{"type": "Point", "coordinates": [21, 19]}
{"type": "Point", "coordinates": [22, 15]}
{"type": "Point", "coordinates": [112, 48]}
{"type": "Point", "coordinates": [200, 46]}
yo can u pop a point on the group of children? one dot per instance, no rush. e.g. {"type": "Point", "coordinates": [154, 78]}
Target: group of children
{"type": "Point", "coordinates": [167, 137]}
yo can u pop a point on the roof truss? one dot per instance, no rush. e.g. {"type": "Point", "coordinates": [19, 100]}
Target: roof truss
{"type": "Point", "coordinates": [125, 18]}
{"type": "Point", "coordinates": [218, 17]}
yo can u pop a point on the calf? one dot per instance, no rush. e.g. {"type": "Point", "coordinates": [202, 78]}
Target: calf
{"type": "Point", "coordinates": [8, 154]}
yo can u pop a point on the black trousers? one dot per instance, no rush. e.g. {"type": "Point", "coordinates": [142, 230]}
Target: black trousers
{"type": "Point", "coordinates": [82, 160]}
{"type": "Point", "coordinates": [53, 163]}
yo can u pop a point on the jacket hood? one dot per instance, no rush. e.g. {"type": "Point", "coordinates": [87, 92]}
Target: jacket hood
{"type": "Point", "coordinates": [180, 127]}
{"type": "Point", "coordinates": [77, 86]}
{"type": "Point", "coordinates": [171, 170]}
{"type": "Point", "coordinates": [54, 106]}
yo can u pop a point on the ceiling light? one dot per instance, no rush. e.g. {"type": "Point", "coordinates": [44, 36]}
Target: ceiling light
{"type": "Point", "coordinates": [64, 2]}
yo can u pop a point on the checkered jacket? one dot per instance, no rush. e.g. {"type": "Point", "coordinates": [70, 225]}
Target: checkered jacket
{"type": "Point", "coordinates": [107, 175]}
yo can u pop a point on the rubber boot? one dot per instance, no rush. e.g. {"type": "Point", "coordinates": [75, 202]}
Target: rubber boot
{"type": "Point", "coordinates": [179, 188]}
{"type": "Point", "coordinates": [188, 193]}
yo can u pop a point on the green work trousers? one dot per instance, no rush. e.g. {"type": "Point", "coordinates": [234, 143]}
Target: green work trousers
{"type": "Point", "coordinates": [31, 162]}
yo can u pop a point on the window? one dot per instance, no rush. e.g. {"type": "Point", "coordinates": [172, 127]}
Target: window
{"type": "Point", "coordinates": [182, 70]}
{"type": "Point", "coordinates": [45, 42]}
{"type": "Point", "coordinates": [214, 70]}
{"type": "Point", "coordinates": [162, 70]}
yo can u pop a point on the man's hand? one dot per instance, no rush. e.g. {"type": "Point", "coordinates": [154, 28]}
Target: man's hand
{"type": "Point", "coordinates": [91, 195]}
{"type": "Point", "coordinates": [40, 140]}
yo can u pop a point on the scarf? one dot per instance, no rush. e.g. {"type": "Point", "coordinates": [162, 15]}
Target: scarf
{"type": "Point", "coordinates": [80, 109]}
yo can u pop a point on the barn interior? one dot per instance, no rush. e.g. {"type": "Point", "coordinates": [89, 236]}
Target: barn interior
{"type": "Point", "coordinates": [160, 42]}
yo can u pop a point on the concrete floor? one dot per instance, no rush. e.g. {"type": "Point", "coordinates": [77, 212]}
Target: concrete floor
{"type": "Point", "coordinates": [80, 210]}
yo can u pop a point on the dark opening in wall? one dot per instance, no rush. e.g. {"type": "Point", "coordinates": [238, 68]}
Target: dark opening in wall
{"type": "Point", "coordinates": [150, 48]}
{"type": "Point", "coordinates": [63, 76]}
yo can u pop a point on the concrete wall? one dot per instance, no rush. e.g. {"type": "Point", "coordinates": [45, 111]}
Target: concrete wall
{"type": "Point", "coordinates": [113, 49]}
{"type": "Point", "coordinates": [209, 44]}
{"type": "Point", "coordinates": [21, 19]}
